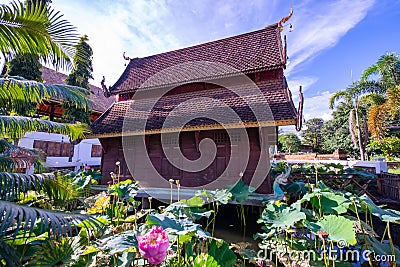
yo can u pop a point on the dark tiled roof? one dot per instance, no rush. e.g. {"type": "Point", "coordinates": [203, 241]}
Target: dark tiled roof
{"type": "Point", "coordinates": [200, 105]}
{"type": "Point", "coordinates": [97, 100]}
{"type": "Point", "coordinates": [249, 52]}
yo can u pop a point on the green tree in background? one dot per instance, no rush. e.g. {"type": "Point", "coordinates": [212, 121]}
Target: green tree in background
{"type": "Point", "coordinates": [385, 76]}
{"type": "Point", "coordinates": [390, 146]}
{"type": "Point", "coordinates": [82, 65]}
{"type": "Point", "coordinates": [27, 66]}
{"type": "Point", "coordinates": [386, 70]}
{"type": "Point", "coordinates": [358, 127]}
{"type": "Point", "coordinates": [289, 142]}
{"type": "Point", "coordinates": [79, 76]}
{"type": "Point", "coordinates": [336, 133]}
{"type": "Point", "coordinates": [312, 133]}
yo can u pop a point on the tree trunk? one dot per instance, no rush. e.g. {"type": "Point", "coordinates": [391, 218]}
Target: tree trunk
{"type": "Point", "coordinates": [360, 141]}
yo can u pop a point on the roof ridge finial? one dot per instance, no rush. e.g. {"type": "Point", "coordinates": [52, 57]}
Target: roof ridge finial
{"type": "Point", "coordinates": [284, 19]}
{"type": "Point", "coordinates": [126, 57]}
{"type": "Point", "coordinates": [106, 90]}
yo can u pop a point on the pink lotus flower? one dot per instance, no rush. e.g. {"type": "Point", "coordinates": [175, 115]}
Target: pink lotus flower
{"type": "Point", "coordinates": [153, 245]}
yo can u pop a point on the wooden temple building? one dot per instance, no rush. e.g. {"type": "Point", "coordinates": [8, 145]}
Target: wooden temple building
{"type": "Point", "coordinates": [199, 73]}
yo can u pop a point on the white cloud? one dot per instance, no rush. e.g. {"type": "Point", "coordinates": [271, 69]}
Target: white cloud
{"type": "Point", "coordinates": [143, 28]}
{"type": "Point", "coordinates": [317, 106]}
{"type": "Point", "coordinates": [319, 25]}
{"type": "Point", "coordinates": [305, 82]}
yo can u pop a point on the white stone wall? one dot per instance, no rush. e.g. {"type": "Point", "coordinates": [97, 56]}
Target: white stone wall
{"type": "Point", "coordinates": [82, 151]}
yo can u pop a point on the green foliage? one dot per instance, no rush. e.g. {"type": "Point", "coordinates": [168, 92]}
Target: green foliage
{"type": "Point", "coordinates": [222, 254]}
{"type": "Point", "coordinates": [14, 127]}
{"type": "Point", "coordinates": [121, 242]}
{"type": "Point", "coordinates": [280, 217]}
{"type": "Point", "coordinates": [328, 202]}
{"type": "Point", "coordinates": [12, 185]}
{"type": "Point", "coordinates": [17, 92]}
{"type": "Point", "coordinates": [336, 134]}
{"type": "Point", "coordinates": [125, 190]}
{"type": "Point", "coordinates": [9, 254]}
{"type": "Point", "coordinates": [390, 146]}
{"type": "Point", "coordinates": [54, 253]}
{"type": "Point", "coordinates": [176, 226]}
{"type": "Point", "coordinates": [62, 191]}
{"type": "Point", "coordinates": [387, 70]}
{"type": "Point", "coordinates": [27, 66]}
{"type": "Point", "coordinates": [38, 31]}
{"type": "Point", "coordinates": [240, 191]}
{"type": "Point", "coordinates": [338, 229]}
{"type": "Point", "coordinates": [205, 260]}
{"type": "Point", "coordinates": [26, 219]}
{"type": "Point", "coordinates": [82, 65]}
{"type": "Point", "coordinates": [312, 134]}
{"type": "Point", "coordinates": [79, 76]}
{"type": "Point", "coordinates": [323, 218]}
{"type": "Point", "coordinates": [289, 142]}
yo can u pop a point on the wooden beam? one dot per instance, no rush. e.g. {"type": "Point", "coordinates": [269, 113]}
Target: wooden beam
{"type": "Point", "coordinates": [201, 127]}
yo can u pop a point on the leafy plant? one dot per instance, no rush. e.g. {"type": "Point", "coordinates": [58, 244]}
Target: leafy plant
{"type": "Point", "coordinates": [322, 219]}
{"type": "Point", "coordinates": [12, 185]}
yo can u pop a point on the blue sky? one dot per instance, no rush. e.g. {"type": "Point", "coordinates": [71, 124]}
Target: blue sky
{"type": "Point", "coordinates": [329, 38]}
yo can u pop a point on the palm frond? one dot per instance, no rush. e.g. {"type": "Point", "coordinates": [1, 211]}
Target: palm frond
{"type": "Point", "coordinates": [369, 72]}
{"type": "Point", "coordinates": [7, 164]}
{"type": "Point", "coordinates": [18, 218]}
{"type": "Point", "coordinates": [17, 92]}
{"type": "Point", "coordinates": [55, 253]}
{"type": "Point", "coordinates": [15, 127]}
{"type": "Point", "coordinates": [9, 254]}
{"type": "Point", "coordinates": [380, 116]}
{"type": "Point", "coordinates": [378, 121]}
{"type": "Point", "coordinates": [37, 30]}
{"type": "Point", "coordinates": [61, 191]}
{"type": "Point", "coordinates": [13, 184]}
{"type": "Point", "coordinates": [338, 96]}
{"type": "Point", "coordinates": [373, 99]}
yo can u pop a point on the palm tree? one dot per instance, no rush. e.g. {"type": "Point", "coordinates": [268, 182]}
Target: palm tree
{"type": "Point", "coordinates": [386, 70]}
{"type": "Point", "coordinates": [351, 97]}
{"type": "Point", "coordinates": [33, 29]}
{"type": "Point", "coordinates": [381, 116]}
{"type": "Point", "coordinates": [387, 74]}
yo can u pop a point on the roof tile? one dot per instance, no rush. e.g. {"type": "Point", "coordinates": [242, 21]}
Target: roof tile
{"type": "Point", "coordinates": [98, 101]}
{"type": "Point", "coordinates": [201, 106]}
{"type": "Point", "coordinates": [249, 52]}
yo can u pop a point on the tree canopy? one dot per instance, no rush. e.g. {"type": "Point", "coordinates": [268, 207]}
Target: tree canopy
{"type": "Point", "coordinates": [82, 64]}
{"type": "Point", "coordinates": [336, 133]}
{"type": "Point", "coordinates": [289, 142]}
{"type": "Point", "coordinates": [79, 76]}
{"type": "Point", "coordinates": [312, 134]}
